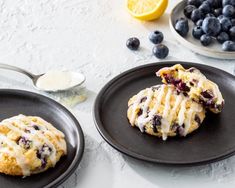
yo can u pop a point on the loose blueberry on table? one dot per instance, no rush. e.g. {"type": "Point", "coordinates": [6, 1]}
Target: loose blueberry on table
{"type": "Point", "coordinates": [156, 37]}
{"type": "Point", "coordinates": [160, 51]}
{"type": "Point", "coordinates": [133, 43]}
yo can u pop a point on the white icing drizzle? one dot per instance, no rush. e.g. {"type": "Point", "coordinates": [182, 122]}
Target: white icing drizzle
{"type": "Point", "coordinates": [165, 122]}
{"type": "Point", "coordinates": [34, 136]}
{"type": "Point", "coordinates": [182, 112]}
{"type": "Point", "coordinates": [142, 120]}
{"type": "Point", "coordinates": [135, 105]}
{"type": "Point", "coordinates": [184, 116]}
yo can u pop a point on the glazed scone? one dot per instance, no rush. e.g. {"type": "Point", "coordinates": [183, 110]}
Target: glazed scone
{"type": "Point", "coordinates": [29, 145]}
{"type": "Point", "coordinates": [193, 83]}
{"type": "Point", "coordinates": [162, 111]}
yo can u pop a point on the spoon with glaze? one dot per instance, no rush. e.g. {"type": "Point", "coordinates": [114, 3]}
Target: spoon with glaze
{"type": "Point", "coordinates": [52, 81]}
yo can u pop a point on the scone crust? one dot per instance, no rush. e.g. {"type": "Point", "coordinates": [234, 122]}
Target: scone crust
{"type": "Point", "coordinates": [26, 150]}
{"type": "Point", "coordinates": [150, 126]}
{"type": "Point", "coordinates": [193, 83]}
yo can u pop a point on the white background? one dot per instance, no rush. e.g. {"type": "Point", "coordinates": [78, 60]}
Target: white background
{"type": "Point", "coordinates": [90, 36]}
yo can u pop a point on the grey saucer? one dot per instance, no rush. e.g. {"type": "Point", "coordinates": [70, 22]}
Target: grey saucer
{"type": "Point", "coordinates": [214, 50]}
{"type": "Point", "coordinates": [214, 140]}
{"type": "Point", "coordinates": [14, 102]}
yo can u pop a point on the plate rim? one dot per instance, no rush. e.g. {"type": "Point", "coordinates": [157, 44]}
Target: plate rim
{"type": "Point", "coordinates": [205, 51]}
{"type": "Point", "coordinates": [79, 151]}
{"type": "Point", "coordinates": [105, 135]}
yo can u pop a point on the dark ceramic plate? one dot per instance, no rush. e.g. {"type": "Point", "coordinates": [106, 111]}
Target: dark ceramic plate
{"type": "Point", "coordinates": [14, 102]}
{"type": "Point", "coordinates": [213, 141]}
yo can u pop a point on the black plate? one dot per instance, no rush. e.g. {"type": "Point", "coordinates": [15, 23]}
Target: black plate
{"type": "Point", "coordinates": [14, 102]}
{"type": "Point", "coordinates": [213, 141]}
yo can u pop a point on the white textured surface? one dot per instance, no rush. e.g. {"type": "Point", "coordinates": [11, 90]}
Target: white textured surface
{"type": "Point", "coordinates": [89, 36]}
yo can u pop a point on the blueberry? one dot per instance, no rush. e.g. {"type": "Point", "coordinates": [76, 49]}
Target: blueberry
{"type": "Point", "coordinates": [180, 131]}
{"type": "Point", "coordinates": [209, 15]}
{"type": "Point", "coordinates": [24, 142]}
{"type": "Point", "coordinates": [182, 26]}
{"type": "Point", "coordinates": [206, 40]}
{"type": "Point", "coordinates": [44, 151]}
{"type": "Point", "coordinates": [215, 3]}
{"type": "Point", "coordinates": [217, 12]}
{"type": "Point", "coordinates": [222, 37]}
{"type": "Point", "coordinates": [157, 120]}
{"type": "Point", "coordinates": [181, 19]}
{"type": "Point", "coordinates": [174, 126]}
{"type": "Point", "coordinates": [228, 46]}
{"type": "Point", "coordinates": [197, 32]}
{"type": "Point", "coordinates": [199, 22]}
{"type": "Point", "coordinates": [228, 2]}
{"type": "Point", "coordinates": [160, 51]}
{"type": "Point", "coordinates": [219, 107]}
{"type": "Point", "coordinates": [211, 26]}
{"type": "Point", "coordinates": [183, 87]}
{"type": "Point", "coordinates": [143, 99]}
{"type": "Point", "coordinates": [188, 10]}
{"type": "Point", "coordinates": [228, 11]}
{"type": "Point", "coordinates": [197, 119]}
{"type": "Point", "coordinates": [221, 17]}
{"type": "Point", "coordinates": [205, 7]}
{"type": "Point", "coordinates": [36, 127]}
{"type": "Point", "coordinates": [194, 2]}
{"type": "Point", "coordinates": [156, 37]}
{"type": "Point", "coordinates": [43, 162]}
{"type": "Point", "coordinates": [233, 22]}
{"type": "Point", "coordinates": [226, 24]}
{"type": "Point", "coordinates": [170, 80]}
{"type": "Point", "coordinates": [207, 94]}
{"type": "Point", "coordinates": [133, 43]}
{"type": "Point", "coordinates": [232, 33]}
{"type": "Point", "coordinates": [201, 1]}
{"type": "Point", "coordinates": [196, 15]}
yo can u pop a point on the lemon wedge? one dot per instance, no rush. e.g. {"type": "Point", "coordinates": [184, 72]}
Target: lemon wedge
{"type": "Point", "coordinates": [147, 9]}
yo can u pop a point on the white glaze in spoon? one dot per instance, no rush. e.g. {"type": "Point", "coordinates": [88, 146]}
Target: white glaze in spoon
{"type": "Point", "coordinates": [52, 81]}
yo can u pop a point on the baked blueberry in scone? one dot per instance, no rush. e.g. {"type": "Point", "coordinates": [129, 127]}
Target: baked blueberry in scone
{"type": "Point", "coordinates": [191, 82]}
{"type": "Point", "coordinates": [163, 111]}
{"type": "Point", "coordinates": [29, 145]}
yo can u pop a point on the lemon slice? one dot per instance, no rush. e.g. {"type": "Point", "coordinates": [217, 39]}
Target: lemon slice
{"type": "Point", "coordinates": [147, 9]}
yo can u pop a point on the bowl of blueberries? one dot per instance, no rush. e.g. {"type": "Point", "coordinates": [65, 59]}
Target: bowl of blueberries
{"type": "Point", "coordinates": [206, 27]}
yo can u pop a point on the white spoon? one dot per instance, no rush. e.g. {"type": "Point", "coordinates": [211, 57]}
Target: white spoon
{"type": "Point", "coordinates": [52, 81]}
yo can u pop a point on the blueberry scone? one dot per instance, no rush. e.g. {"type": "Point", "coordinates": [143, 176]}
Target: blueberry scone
{"type": "Point", "coordinates": [162, 111]}
{"type": "Point", "coordinates": [29, 145]}
{"type": "Point", "coordinates": [193, 83]}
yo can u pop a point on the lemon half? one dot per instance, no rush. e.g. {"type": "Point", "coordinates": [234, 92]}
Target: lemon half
{"type": "Point", "coordinates": [147, 9]}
